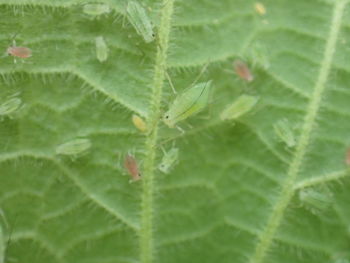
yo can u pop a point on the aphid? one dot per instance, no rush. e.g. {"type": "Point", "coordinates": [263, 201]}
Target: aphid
{"type": "Point", "coordinates": [241, 106]}
{"type": "Point", "coordinates": [284, 132]}
{"type": "Point", "coordinates": [139, 123]}
{"type": "Point", "coordinates": [10, 106]}
{"type": "Point", "coordinates": [140, 21]}
{"type": "Point", "coordinates": [20, 52]}
{"type": "Point", "coordinates": [315, 200]}
{"type": "Point", "coordinates": [188, 103]}
{"type": "Point", "coordinates": [347, 159]}
{"type": "Point", "coordinates": [96, 9]}
{"type": "Point", "coordinates": [101, 49]}
{"type": "Point", "coordinates": [242, 70]}
{"type": "Point", "coordinates": [260, 8]}
{"type": "Point", "coordinates": [169, 160]}
{"type": "Point", "coordinates": [74, 147]}
{"type": "Point", "coordinates": [131, 166]}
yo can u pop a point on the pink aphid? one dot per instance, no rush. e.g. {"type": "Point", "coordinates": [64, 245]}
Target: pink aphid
{"type": "Point", "coordinates": [20, 52]}
{"type": "Point", "coordinates": [132, 167]}
{"type": "Point", "coordinates": [242, 70]}
{"type": "Point", "coordinates": [347, 157]}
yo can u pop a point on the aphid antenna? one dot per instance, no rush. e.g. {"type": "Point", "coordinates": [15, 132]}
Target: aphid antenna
{"type": "Point", "coordinates": [170, 82]}
{"type": "Point", "coordinates": [200, 74]}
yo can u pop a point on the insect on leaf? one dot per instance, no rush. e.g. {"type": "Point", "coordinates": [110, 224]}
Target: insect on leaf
{"type": "Point", "coordinates": [96, 9]}
{"type": "Point", "coordinates": [188, 103]}
{"type": "Point", "coordinates": [74, 147]}
{"type": "Point", "coordinates": [139, 123]}
{"type": "Point", "coordinates": [241, 106]}
{"type": "Point", "coordinates": [101, 49]}
{"type": "Point", "coordinates": [284, 132]}
{"type": "Point", "coordinates": [139, 19]}
{"type": "Point", "coordinates": [132, 167]}
{"type": "Point", "coordinates": [169, 160]}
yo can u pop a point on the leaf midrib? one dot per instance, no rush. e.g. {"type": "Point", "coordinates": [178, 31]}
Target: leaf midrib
{"type": "Point", "coordinates": [288, 189]}
{"type": "Point", "coordinates": [146, 229]}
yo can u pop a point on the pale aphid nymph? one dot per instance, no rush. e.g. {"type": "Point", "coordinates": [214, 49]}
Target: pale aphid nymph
{"type": "Point", "coordinates": [188, 103]}
{"type": "Point", "coordinates": [241, 106]}
{"type": "Point", "coordinates": [96, 9]}
{"type": "Point", "coordinates": [139, 19]}
{"type": "Point", "coordinates": [139, 123]}
{"type": "Point", "coordinates": [284, 132]}
{"type": "Point", "coordinates": [315, 200]}
{"type": "Point", "coordinates": [101, 49]}
{"type": "Point", "coordinates": [74, 147]}
{"type": "Point", "coordinates": [169, 160]}
{"type": "Point", "coordinates": [10, 106]}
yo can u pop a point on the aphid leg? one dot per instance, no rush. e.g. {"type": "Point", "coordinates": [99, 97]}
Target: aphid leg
{"type": "Point", "coordinates": [180, 129]}
{"type": "Point", "coordinates": [170, 82]}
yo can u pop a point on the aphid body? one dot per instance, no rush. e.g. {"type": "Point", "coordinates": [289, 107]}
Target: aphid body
{"type": "Point", "coordinates": [284, 132]}
{"type": "Point", "coordinates": [169, 160]}
{"type": "Point", "coordinates": [101, 49]}
{"type": "Point", "coordinates": [140, 21]}
{"type": "Point", "coordinates": [20, 52]}
{"type": "Point", "coordinates": [139, 123]}
{"type": "Point", "coordinates": [242, 70]}
{"type": "Point", "coordinates": [188, 103]}
{"type": "Point", "coordinates": [10, 106]}
{"type": "Point", "coordinates": [347, 157]}
{"type": "Point", "coordinates": [96, 9]}
{"type": "Point", "coordinates": [131, 166]}
{"type": "Point", "coordinates": [260, 8]}
{"type": "Point", "coordinates": [315, 200]}
{"type": "Point", "coordinates": [241, 106]}
{"type": "Point", "coordinates": [74, 147]}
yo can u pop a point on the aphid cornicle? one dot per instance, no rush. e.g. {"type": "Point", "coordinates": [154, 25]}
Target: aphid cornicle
{"type": "Point", "coordinates": [101, 49]}
{"type": "Point", "coordinates": [241, 106]}
{"type": "Point", "coordinates": [96, 9]}
{"type": "Point", "coordinates": [139, 19]}
{"type": "Point", "coordinates": [284, 132]}
{"type": "Point", "coordinates": [188, 103]}
{"type": "Point", "coordinates": [169, 160]}
{"type": "Point", "coordinates": [131, 166]}
{"type": "Point", "coordinates": [242, 70]}
{"type": "Point", "coordinates": [74, 147]}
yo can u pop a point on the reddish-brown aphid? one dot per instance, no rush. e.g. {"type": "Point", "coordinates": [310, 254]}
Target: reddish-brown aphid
{"type": "Point", "coordinates": [20, 52]}
{"type": "Point", "coordinates": [347, 158]}
{"type": "Point", "coordinates": [242, 70]}
{"type": "Point", "coordinates": [132, 167]}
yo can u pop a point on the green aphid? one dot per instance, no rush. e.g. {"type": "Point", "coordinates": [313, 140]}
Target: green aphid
{"type": "Point", "coordinates": [188, 103]}
{"type": "Point", "coordinates": [74, 148]}
{"type": "Point", "coordinates": [96, 9]}
{"type": "Point", "coordinates": [241, 106]}
{"type": "Point", "coordinates": [315, 200]}
{"type": "Point", "coordinates": [101, 49]}
{"type": "Point", "coordinates": [169, 160]}
{"type": "Point", "coordinates": [284, 132]}
{"type": "Point", "coordinates": [10, 106]}
{"type": "Point", "coordinates": [140, 21]}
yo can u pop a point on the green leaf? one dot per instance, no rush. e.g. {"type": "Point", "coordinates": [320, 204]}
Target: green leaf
{"type": "Point", "coordinates": [234, 195]}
